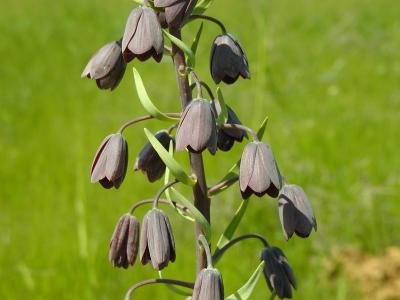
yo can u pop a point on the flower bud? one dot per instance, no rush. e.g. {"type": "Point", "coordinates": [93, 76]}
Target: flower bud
{"type": "Point", "coordinates": [149, 161]}
{"type": "Point", "coordinates": [295, 212]}
{"type": "Point", "coordinates": [110, 162]}
{"type": "Point", "coordinates": [124, 243]}
{"type": "Point", "coordinates": [106, 66]}
{"type": "Point", "coordinates": [228, 136]}
{"type": "Point", "coordinates": [259, 173]}
{"type": "Point", "coordinates": [143, 36]}
{"type": "Point", "coordinates": [227, 60]}
{"type": "Point", "coordinates": [277, 272]}
{"type": "Point", "coordinates": [157, 244]}
{"type": "Point", "coordinates": [209, 285]}
{"type": "Point", "coordinates": [197, 128]}
{"type": "Point", "coordinates": [176, 11]}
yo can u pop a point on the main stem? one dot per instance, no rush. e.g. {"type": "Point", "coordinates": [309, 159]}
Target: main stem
{"type": "Point", "coordinates": [201, 200]}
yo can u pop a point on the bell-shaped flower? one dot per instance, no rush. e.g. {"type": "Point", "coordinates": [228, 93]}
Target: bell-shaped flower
{"type": "Point", "coordinates": [110, 162]}
{"type": "Point", "coordinates": [148, 160]}
{"type": "Point", "coordinates": [278, 273]}
{"type": "Point", "coordinates": [295, 212]}
{"type": "Point", "coordinates": [209, 285]}
{"type": "Point", "coordinates": [106, 66]}
{"type": "Point", "coordinates": [143, 36]}
{"type": "Point", "coordinates": [228, 60]}
{"type": "Point", "coordinates": [176, 11]}
{"type": "Point", "coordinates": [259, 173]}
{"type": "Point", "coordinates": [157, 244]}
{"type": "Point", "coordinates": [197, 128]}
{"type": "Point", "coordinates": [124, 244]}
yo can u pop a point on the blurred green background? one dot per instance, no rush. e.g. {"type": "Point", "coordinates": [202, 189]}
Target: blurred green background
{"type": "Point", "coordinates": [327, 73]}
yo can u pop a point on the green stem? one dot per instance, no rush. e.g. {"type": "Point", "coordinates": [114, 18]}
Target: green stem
{"type": "Point", "coordinates": [208, 18]}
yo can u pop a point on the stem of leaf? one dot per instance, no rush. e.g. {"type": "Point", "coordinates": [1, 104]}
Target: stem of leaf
{"type": "Point", "coordinates": [144, 118]}
{"type": "Point", "coordinates": [206, 86]}
{"type": "Point", "coordinates": [222, 185]}
{"type": "Point", "coordinates": [163, 201]}
{"type": "Point", "coordinates": [162, 190]}
{"type": "Point", "coordinates": [202, 240]}
{"type": "Point", "coordinates": [242, 127]}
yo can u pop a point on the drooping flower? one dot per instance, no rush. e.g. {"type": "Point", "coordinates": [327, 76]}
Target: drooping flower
{"type": "Point", "coordinates": [148, 160]}
{"type": "Point", "coordinates": [278, 273]}
{"type": "Point", "coordinates": [295, 212]}
{"type": "Point", "coordinates": [106, 66]}
{"type": "Point", "coordinates": [157, 245]}
{"type": "Point", "coordinates": [228, 60]}
{"type": "Point", "coordinates": [124, 244]}
{"type": "Point", "coordinates": [110, 162]}
{"type": "Point", "coordinates": [209, 285]}
{"type": "Point", "coordinates": [143, 36]}
{"type": "Point", "coordinates": [197, 128]}
{"type": "Point", "coordinates": [259, 173]}
{"type": "Point", "coordinates": [176, 11]}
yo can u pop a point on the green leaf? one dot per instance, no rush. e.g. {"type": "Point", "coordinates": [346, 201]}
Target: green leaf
{"type": "Point", "coordinates": [223, 115]}
{"type": "Point", "coordinates": [233, 225]}
{"type": "Point", "coordinates": [261, 130]}
{"type": "Point", "coordinates": [196, 40]}
{"type": "Point", "coordinates": [196, 213]}
{"type": "Point", "coordinates": [202, 6]}
{"type": "Point", "coordinates": [145, 100]}
{"type": "Point", "coordinates": [167, 193]}
{"type": "Point", "coordinates": [246, 290]}
{"type": "Point", "coordinates": [181, 45]}
{"type": "Point", "coordinates": [175, 168]}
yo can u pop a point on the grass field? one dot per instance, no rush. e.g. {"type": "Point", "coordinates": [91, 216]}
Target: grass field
{"type": "Point", "coordinates": [327, 73]}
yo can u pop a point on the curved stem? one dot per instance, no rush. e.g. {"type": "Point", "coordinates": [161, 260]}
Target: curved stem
{"type": "Point", "coordinates": [242, 127]}
{"type": "Point", "coordinates": [144, 118]}
{"type": "Point", "coordinates": [206, 86]}
{"type": "Point", "coordinates": [162, 190]}
{"type": "Point", "coordinates": [219, 252]}
{"type": "Point", "coordinates": [196, 81]}
{"type": "Point", "coordinates": [208, 18]}
{"type": "Point", "coordinates": [222, 185]}
{"type": "Point", "coordinates": [171, 128]}
{"type": "Point", "coordinates": [185, 284]}
{"type": "Point", "coordinates": [163, 201]}
{"type": "Point", "coordinates": [202, 240]}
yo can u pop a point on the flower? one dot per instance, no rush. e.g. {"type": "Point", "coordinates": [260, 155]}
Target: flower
{"type": "Point", "coordinates": [176, 11]}
{"type": "Point", "coordinates": [295, 212]}
{"type": "Point", "coordinates": [110, 162]}
{"type": "Point", "coordinates": [106, 66]}
{"type": "Point", "coordinates": [143, 36]}
{"type": "Point", "coordinates": [124, 243]}
{"type": "Point", "coordinates": [148, 159]}
{"type": "Point", "coordinates": [157, 244]}
{"type": "Point", "coordinates": [227, 60]}
{"type": "Point", "coordinates": [228, 136]}
{"type": "Point", "coordinates": [277, 272]}
{"type": "Point", "coordinates": [197, 128]}
{"type": "Point", "coordinates": [259, 173]}
{"type": "Point", "coordinates": [209, 285]}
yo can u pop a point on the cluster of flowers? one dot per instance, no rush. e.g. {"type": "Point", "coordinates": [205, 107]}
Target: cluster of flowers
{"type": "Point", "coordinates": [197, 131]}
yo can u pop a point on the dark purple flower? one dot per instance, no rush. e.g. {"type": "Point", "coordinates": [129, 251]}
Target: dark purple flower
{"type": "Point", "coordinates": [176, 11]}
{"type": "Point", "coordinates": [106, 66]}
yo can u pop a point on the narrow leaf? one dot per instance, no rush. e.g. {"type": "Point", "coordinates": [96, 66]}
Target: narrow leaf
{"type": "Point", "coordinates": [167, 192]}
{"type": "Point", "coordinates": [181, 45]}
{"type": "Point", "coordinates": [145, 100]}
{"type": "Point", "coordinates": [175, 168]}
{"type": "Point", "coordinates": [261, 130]}
{"type": "Point", "coordinates": [233, 225]}
{"type": "Point", "coordinates": [246, 290]}
{"type": "Point", "coordinates": [202, 6]}
{"type": "Point", "coordinates": [196, 40]}
{"type": "Point", "coordinates": [196, 213]}
{"type": "Point", "coordinates": [223, 115]}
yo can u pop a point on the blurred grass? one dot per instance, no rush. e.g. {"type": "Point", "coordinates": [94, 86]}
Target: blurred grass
{"type": "Point", "coordinates": [327, 74]}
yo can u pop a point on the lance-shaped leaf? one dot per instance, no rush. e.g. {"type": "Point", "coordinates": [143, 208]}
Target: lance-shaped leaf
{"type": "Point", "coordinates": [175, 168]}
{"type": "Point", "coordinates": [167, 192]}
{"type": "Point", "coordinates": [233, 225]}
{"type": "Point", "coordinates": [145, 99]}
{"type": "Point", "coordinates": [196, 40]}
{"type": "Point", "coordinates": [261, 130]}
{"type": "Point", "coordinates": [181, 45]}
{"type": "Point", "coordinates": [246, 290]}
{"type": "Point", "coordinates": [202, 6]}
{"type": "Point", "coordinates": [223, 116]}
{"type": "Point", "coordinates": [195, 212]}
